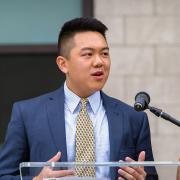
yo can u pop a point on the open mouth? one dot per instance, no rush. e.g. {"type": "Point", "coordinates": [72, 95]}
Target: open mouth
{"type": "Point", "coordinates": [98, 73]}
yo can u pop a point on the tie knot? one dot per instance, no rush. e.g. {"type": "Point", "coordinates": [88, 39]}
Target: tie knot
{"type": "Point", "coordinates": [84, 102]}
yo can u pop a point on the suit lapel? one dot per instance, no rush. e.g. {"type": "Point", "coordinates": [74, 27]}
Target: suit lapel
{"type": "Point", "coordinates": [56, 119]}
{"type": "Point", "coordinates": [115, 123]}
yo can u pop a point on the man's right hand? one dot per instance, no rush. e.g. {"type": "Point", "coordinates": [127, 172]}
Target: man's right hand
{"type": "Point", "coordinates": [47, 172]}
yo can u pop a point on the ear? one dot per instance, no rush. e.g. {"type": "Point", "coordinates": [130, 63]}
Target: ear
{"type": "Point", "coordinates": [62, 64]}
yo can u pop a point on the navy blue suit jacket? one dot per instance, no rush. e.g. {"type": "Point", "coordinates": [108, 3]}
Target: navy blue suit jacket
{"type": "Point", "coordinates": [36, 133]}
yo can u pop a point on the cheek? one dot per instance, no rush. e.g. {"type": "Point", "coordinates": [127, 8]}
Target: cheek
{"type": "Point", "coordinates": [83, 68]}
{"type": "Point", "coordinates": [107, 66]}
{"type": "Point", "coordinates": [79, 72]}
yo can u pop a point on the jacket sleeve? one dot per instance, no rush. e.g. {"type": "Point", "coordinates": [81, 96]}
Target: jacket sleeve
{"type": "Point", "coordinates": [15, 148]}
{"type": "Point", "coordinates": [144, 144]}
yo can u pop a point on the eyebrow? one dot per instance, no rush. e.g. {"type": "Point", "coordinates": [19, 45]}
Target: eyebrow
{"type": "Point", "coordinates": [89, 48]}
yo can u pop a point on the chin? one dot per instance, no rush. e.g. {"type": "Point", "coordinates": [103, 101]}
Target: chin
{"type": "Point", "coordinates": [97, 88]}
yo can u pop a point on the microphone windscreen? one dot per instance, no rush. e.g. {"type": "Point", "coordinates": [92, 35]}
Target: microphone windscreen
{"type": "Point", "coordinates": [142, 99]}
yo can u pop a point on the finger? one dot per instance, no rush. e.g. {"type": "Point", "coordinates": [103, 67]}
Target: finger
{"type": "Point", "coordinates": [130, 170]}
{"type": "Point", "coordinates": [141, 156]}
{"type": "Point", "coordinates": [131, 173]}
{"type": "Point", "coordinates": [62, 173]}
{"type": "Point", "coordinates": [55, 158]}
{"type": "Point", "coordinates": [139, 169]}
{"type": "Point", "coordinates": [124, 172]}
{"type": "Point", "coordinates": [121, 178]}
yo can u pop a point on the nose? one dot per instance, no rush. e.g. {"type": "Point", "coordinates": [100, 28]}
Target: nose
{"type": "Point", "coordinates": [98, 62]}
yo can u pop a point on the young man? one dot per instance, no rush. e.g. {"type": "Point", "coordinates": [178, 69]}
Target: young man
{"type": "Point", "coordinates": [47, 127]}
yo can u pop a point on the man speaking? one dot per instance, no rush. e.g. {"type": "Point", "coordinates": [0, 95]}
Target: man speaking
{"type": "Point", "coordinates": [78, 122]}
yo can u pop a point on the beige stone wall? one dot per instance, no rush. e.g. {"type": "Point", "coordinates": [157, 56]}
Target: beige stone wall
{"type": "Point", "coordinates": [144, 37]}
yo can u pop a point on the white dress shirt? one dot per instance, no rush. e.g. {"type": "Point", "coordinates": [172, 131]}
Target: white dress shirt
{"type": "Point", "coordinates": [98, 116]}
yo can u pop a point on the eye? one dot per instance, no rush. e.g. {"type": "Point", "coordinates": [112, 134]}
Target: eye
{"type": "Point", "coordinates": [87, 54]}
{"type": "Point", "coordinates": [105, 54]}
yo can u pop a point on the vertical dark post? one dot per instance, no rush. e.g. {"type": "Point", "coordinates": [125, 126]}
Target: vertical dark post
{"type": "Point", "coordinates": [88, 8]}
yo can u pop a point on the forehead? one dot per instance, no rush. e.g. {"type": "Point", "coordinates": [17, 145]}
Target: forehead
{"type": "Point", "coordinates": [90, 39]}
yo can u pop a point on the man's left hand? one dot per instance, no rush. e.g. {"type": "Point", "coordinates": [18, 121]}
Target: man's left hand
{"type": "Point", "coordinates": [133, 173]}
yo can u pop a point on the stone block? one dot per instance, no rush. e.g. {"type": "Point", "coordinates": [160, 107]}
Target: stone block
{"type": "Point", "coordinates": [124, 7]}
{"type": "Point", "coordinates": [168, 7]}
{"type": "Point", "coordinates": [168, 61]}
{"type": "Point", "coordinates": [166, 148]}
{"type": "Point", "coordinates": [132, 61]}
{"type": "Point", "coordinates": [163, 90]}
{"type": "Point", "coordinates": [152, 122]}
{"type": "Point", "coordinates": [152, 30]}
{"type": "Point", "coordinates": [114, 87]}
{"type": "Point", "coordinates": [115, 33]}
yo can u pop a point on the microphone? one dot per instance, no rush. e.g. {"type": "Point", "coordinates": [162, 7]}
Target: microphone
{"type": "Point", "coordinates": [142, 99]}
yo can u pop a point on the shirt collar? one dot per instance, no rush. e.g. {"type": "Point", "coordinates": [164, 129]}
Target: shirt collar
{"type": "Point", "coordinates": [94, 101]}
{"type": "Point", "coordinates": [72, 100]}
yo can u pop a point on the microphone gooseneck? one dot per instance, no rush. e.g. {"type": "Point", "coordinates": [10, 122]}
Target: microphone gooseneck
{"type": "Point", "coordinates": [160, 113]}
{"type": "Point", "coordinates": [142, 100]}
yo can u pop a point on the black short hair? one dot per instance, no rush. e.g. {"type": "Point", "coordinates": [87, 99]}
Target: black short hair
{"type": "Point", "coordinates": [70, 28]}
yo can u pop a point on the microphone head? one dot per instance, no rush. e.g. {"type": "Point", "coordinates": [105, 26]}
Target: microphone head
{"type": "Point", "coordinates": [142, 99]}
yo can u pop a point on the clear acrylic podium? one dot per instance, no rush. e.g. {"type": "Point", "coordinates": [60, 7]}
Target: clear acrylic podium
{"type": "Point", "coordinates": [28, 170]}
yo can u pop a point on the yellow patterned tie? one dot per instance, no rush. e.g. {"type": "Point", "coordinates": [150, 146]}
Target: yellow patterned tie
{"type": "Point", "coordinates": [85, 145]}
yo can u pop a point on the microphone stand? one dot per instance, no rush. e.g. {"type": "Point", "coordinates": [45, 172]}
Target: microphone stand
{"type": "Point", "coordinates": [159, 112]}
